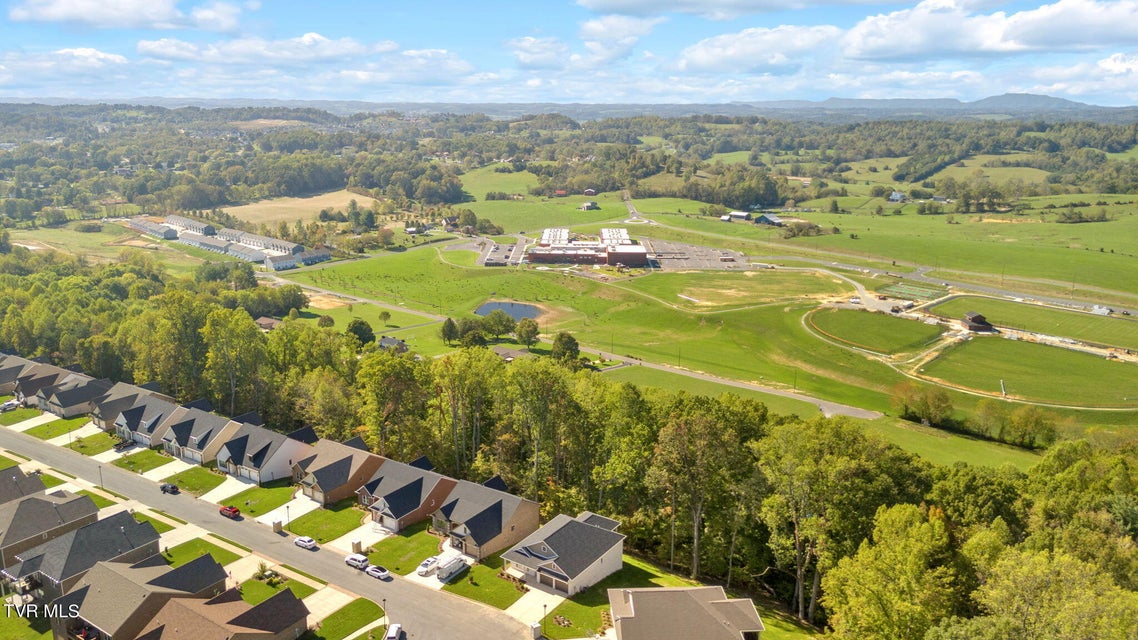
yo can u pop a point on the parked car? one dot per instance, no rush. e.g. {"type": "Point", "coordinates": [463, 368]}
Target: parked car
{"type": "Point", "coordinates": [167, 487]}
{"type": "Point", "coordinates": [10, 405]}
{"type": "Point", "coordinates": [231, 512]}
{"type": "Point", "coordinates": [427, 566]}
{"type": "Point", "coordinates": [357, 560]}
{"type": "Point", "coordinates": [450, 569]}
{"type": "Point", "coordinates": [123, 445]}
{"type": "Point", "coordinates": [394, 632]}
{"type": "Point", "coordinates": [304, 542]}
{"type": "Point", "coordinates": [377, 571]}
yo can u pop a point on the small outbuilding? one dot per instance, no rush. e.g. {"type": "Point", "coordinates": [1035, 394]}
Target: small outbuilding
{"type": "Point", "coordinates": [975, 322]}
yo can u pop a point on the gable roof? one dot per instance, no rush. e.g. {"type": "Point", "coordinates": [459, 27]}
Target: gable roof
{"type": "Point", "coordinates": [332, 464]}
{"type": "Point", "coordinates": [111, 592]}
{"type": "Point", "coordinates": [401, 486]}
{"type": "Point", "coordinates": [146, 414]}
{"type": "Point", "coordinates": [33, 515]}
{"type": "Point", "coordinates": [597, 520]}
{"type": "Point", "coordinates": [482, 509]}
{"type": "Point", "coordinates": [681, 612]}
{"type": "Point", "coordinates": [14, 484]}
{"type": "Point", "coordinates": [193, 428]}
{"type": "Point", "coordinates": [564, 545]}
{"type": "Point", "coordinates": [76, 389]}
{"type": "Point", "coordinates": [253, 446]}
{"type": "Point", "coordinates": [78, 550]}
{"type": "Point", "coordinates": [224, 616]}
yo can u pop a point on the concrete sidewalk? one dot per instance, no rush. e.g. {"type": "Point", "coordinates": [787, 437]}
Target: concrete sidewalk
{"type": "Point", "coordinates": [325, 602]}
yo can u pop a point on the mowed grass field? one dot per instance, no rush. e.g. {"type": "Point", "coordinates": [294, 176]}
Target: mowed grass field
{"type": "Point", "coordinates": [721, 290]}
{"type": "Point", "coordinates": [106, 245]}
{"type": "Point", "coordinates": [1107, 330]}
{"type": "Point", "coordinates": [874, 331]}
{"type": "Point", "coordinates": [292, 209]}
{"type": "Point", "coordinates": [1037, 373]}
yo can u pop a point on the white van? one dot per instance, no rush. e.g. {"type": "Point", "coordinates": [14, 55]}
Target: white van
{"type": "Point", "coordinates": [357, 560]}
{"type": "Point", "coordinates": [450, 569]}
{"type": "Point", "coordinates": [394, 632]}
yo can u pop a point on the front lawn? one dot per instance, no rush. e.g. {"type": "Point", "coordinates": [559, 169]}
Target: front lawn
{"type": "Point", "coordinates": [159, 526]}
{"type": "Point", "coordinates": [96, 444]}
{"type": "Point", "coordinates": [482, 583]}
{"type": "Point", "coordinates": [330, 523]}
{"type": "Point", "coordinates": [6, 462]}
{"type": "Point", "coordinates": [256, 591]}
{"type": "Point", "coordinates": [57, 428]}
{"type": "Point", "coordinates": [346, 620]}
{"type": "Point", "coordinates": [143, 461]}
{"type": "Point", "coordinates": [196, 480]}
{"type": "Point", "coordinates": [258, 501]}
{"type": "Point", "coordinates": [402, 552]}
{"type": "Point", "coordinates": [50, 481]}
{"type": "Point", "coordinates": [100, 501]}
{"type": "Point", "coordinates": [193, 549]}
{"type": "Point", "coordinates": [17, 416]}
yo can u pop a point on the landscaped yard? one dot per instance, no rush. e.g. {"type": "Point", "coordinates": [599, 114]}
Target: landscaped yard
{"type": "Point", "coordinates": [193, 549]}
{"type": "Point", "coordinates": [14, 627]}
{"type": "Point", "coordinates": [100, 501]}
{"type": "Point", "coordinates": [50, 481]}
{"type": "Point", "coordinates": [17, 415]}
{"type": "Point", "coordinates": [196, 480]}
{"type": "Point", "coordinates": [402, 553]}
{"type": "Point", "coordinates": [258, 501]}
{"type": "Point", "coordinates": [143, 461]}
{"type": "Point", "coordinates": [327, 524]}
{"type": "Point", "coordinates": [96, 444]}
{"type": "Point", "coordinates": [6, 462]}
{"type": "Point", "coordinates": [346, 620]}
{"type": "Point", "coordinates": [57, 428]}
{"type": "Point", "coordinates": [256, 591]}
{"type": "Point", "coordinates": [482, 583]}
{"type": "Point", "coordinates": [159, 526]}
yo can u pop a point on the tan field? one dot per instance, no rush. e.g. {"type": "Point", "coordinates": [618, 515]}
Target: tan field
{"type": "Point", "coordinates": [290, 209]}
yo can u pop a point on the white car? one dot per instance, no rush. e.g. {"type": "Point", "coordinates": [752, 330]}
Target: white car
{"type": "Point", "coordinates": [377, 571]}
{"type": "Point", "coordinates": [356, 560]}
{"type": "Point", "coordinates": [304, 542]}
{"type": "Point", "coordinates": [427, 566]}
{"type": "Point", "coordinates": [394, 632]}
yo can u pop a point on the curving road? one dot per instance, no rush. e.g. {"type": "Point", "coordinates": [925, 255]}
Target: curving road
{"type": "Point", "coordinates": [426, 614]}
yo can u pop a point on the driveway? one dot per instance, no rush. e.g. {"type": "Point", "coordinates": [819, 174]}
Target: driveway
{"type": "Point", "coordinates": [230, 487]}
{"type": "Point", "coordinates": [74, 435]}
{"type": "Point", "coordinates": [43, 418]}
{"type": "Point", "coordinates": [426, 614]}
{"type": "Point", "coordinates": [289, 511]}
{"type": "Point", "coordinates": [368, 534]}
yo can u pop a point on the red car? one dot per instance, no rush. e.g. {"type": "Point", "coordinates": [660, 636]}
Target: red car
{"type": "Point", "coordinates": [230, 512]}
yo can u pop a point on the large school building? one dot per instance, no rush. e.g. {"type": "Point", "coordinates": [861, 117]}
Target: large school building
{"type": "Point", "coordinates": [613, 247]}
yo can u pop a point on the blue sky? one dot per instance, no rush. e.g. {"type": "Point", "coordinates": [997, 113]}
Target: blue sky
{"type": "Point", "coordinates": [569, 50]}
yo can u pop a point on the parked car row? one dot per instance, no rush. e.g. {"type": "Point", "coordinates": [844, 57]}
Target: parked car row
{"type": "Point", "coordinates": [360, 561]}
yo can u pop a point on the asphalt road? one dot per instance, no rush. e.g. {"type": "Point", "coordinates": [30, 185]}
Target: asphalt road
{"type": "Point", "coordinates": [425, 614]}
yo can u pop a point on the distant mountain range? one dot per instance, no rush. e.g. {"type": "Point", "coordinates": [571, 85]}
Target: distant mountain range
{"type": "Point", "coordinates": [1008, 106]}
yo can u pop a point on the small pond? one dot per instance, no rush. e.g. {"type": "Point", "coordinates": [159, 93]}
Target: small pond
{"type": "Point", "coordinates": [515, 310]}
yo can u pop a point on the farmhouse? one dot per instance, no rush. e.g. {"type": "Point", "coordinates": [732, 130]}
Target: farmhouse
{"type": "Point", "coordinates": [589, 205]}
{"type": "Point", "coordinates": [975, 322]}
{"type": "Point", "coordinates": [335, 470]}
{"type": "Point", "coordinates": [898, 196]}
{"type": "Point", "coordinates": [589, 192]}
{"type": "Point", "coordinates": [481, 519]}
{"type": "Point", "coordinates": [679, 613]}
{"type": "Point", "coordinates": [568, 554]}
{"type": "Point", "coordinates": [394, 345]}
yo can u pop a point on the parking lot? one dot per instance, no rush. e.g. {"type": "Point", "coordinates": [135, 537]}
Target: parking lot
{"type": "Point", "coordinates": [677, 255]}
{"type": "Point", "coordinates": [500, 255]}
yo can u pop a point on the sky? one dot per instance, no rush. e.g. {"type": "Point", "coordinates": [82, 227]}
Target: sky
{"type": "Point", "coordinates": [590, 51]}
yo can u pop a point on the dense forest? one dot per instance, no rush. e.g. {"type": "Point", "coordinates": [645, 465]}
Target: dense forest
{"type": "Point", "coordinates": [58, 163]}
{"type": "Point", "coordinates": [848, 532]}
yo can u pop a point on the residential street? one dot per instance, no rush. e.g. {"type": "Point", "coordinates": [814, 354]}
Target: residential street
{"type": "Point", "coordinates": [425, 614]}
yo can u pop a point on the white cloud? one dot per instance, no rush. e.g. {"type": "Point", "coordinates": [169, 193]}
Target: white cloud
{"type": "Point", "coordinates": [539, 53]}
{"type": "Point", "coordinates": [711, 9]}
{"type": "Point", "coordinates": [1075, 24]}
{"type": "Point", "coordinates": [416, 67]}
{"type": "Point", "coordinates": [66, 67]}
{"type": "Point", "coordinates": [612, 37]}
{"type": "Point", "coordinates": [310, 47]}
{"type": "Point", "coordinates": [128, 14]}
{"type": "Point", "coordinates": [758, 50]}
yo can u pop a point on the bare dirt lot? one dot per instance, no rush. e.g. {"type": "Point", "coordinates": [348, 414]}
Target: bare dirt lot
{"type": "Point", "coordinates": [325, 301]}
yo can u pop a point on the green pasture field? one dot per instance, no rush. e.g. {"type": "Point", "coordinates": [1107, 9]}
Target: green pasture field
{"type": "Point", "coordinates": [290, 210]}
{"type": "Point", "coordinates": [1073, 378]}
{"type": "Point", "coordinates": [1106, 330]}
{"type": "Point", "coordinates": [484, 180]}
{"type": "Point", "coordinates": [536, 213]}
{"type": "Point", "coordinates": [877, 332]}
{"type": "Point", "coordinates": [461, 257]}
{"type": "Point", "coordinates": [974, 166]}
{"type": "Point", "coordinates": [668, 205]}
{"type": "Point", "coordinates": [108, 244]}
{"type": "Point", "coordinates": [1129, 154]}
{"type": "Point", "coordinates": [860, 171]}
{"type": "Point", "coordinates": [721, 290]}
{"type": "Point", "coordinates": [652, 141]}
{"type": "Point", "coordinates": [649, 377]}
{"type": "Point", "coordinates": [946, 448]}
{"type": "Point", "coordinates": [342, 316]}
{"type": "Point", "coordinates": [731, 157]}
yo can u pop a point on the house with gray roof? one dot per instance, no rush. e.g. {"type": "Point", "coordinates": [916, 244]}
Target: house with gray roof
{"type": "Point", "coordinates": [228, 617]}
{"type": "Point", "coordinates": [11, 368]}
{"type": "Point", "coordinates": [49, 570]}
{"type": "Point", "coordinates": [400, 494]}
{"type": "Point", "coordinates": [480, 519]}
{"type": "Point", "coordinates": [681, 613]}
{"type": "Point", "coordinates": [260, 454]}
{"type": "Point", "coordinates": [107, 407]}
{"type": "Point", "coordinates": [74, 396]}
{"type": "Point", "coordinates": [193, 434]}
{"type": "Point", "coordinates": [36, 519]}
{"type": "Point", "coordinates": [115, 600]}
{"type": "Point", "coordinates": [141, 421]}
{"type": "Point", "coordinates": [36, 377]}
{"type": "Point", "coordinates": [15, 484]}
{"type": "Point", "coordinates": [335, 470]}
{"type": "Point", "coordinates": [568, 555]}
